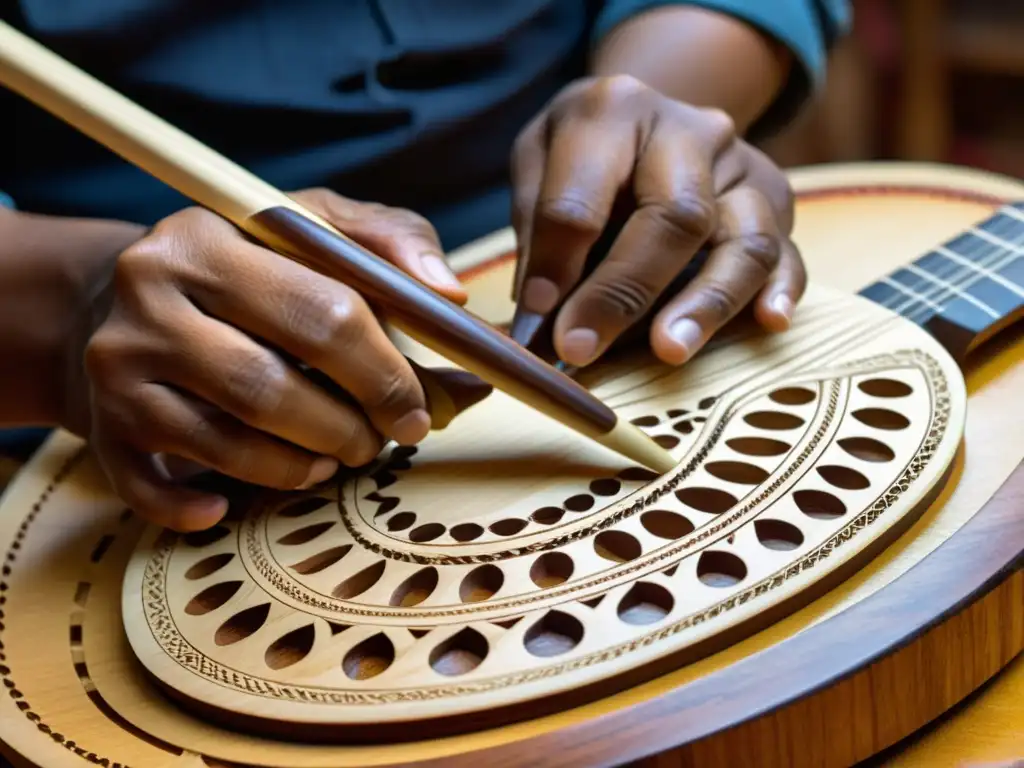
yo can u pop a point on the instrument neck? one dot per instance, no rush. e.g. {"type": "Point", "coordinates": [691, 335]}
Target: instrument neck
{"type": "Point", "coordinates": [965, 290]}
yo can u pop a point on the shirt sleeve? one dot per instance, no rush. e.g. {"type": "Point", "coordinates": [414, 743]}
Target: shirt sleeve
{"type": "Point", "coordinates": [809, 28]}
{"type": "Point", "coordinates": [5, 200]}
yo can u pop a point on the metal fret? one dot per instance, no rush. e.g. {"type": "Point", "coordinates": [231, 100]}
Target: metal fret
{"type": "Point", "coordinates": [989, 274]}
{"type": "Point", "coordinates": [953, 289]}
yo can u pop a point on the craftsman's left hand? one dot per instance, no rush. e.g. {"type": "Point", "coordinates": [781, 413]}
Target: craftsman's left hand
{"type": "Point", "coordinates": [688, 181]}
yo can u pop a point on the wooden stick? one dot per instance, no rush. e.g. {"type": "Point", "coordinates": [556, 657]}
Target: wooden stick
{"type": "Point", "coordinates": [273, 218]}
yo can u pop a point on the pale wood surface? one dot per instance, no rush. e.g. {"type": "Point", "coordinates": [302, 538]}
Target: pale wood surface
{"type": "Point", "coordinates": [55, 555]}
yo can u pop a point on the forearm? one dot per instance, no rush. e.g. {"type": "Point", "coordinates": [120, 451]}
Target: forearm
{"type": "Point", "coordinates": [49, 268]}
{"type": "Point", "coordinates": [698, 56]}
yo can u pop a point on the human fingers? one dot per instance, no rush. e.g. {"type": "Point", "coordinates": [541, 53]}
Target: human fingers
{"type": "Point", "coordinates": [775, 304]}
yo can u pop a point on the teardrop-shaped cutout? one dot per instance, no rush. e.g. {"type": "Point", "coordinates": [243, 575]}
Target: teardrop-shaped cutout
{"type": "Point", "coordinates": [427, 532]}
{"type": "Point", "coordinates": [481, 583]}
{"type": "Point", "coordinates": [645, 421]}
{"type": "Point", "coordinates": [882, 418]}
{"type": "Point", "coordinates": [305, 535]}
{"type": "Point", "coordinates": [758, 446]}
{"type": "Point", "coordinates": [884, 388]}
{"type": "Point", "coordinates": [551, 569]}
{"type": "Point", "coordinates": [668, 442]}
{"type": "Point", "coordinates": [579, 503]}
{"type": "Point", "coordinates": [792, 396]}
{"type": "Point", "coordinates": [683, 427]}
{"type": "Point", "coordinates": [778, 534]}
{"type": "Point", "coordinates": [212, 598]}
{"type": "Point", "coordinates": [467, 532]}
{"type": "Point", "coordinates": [820, 505]}
{"type": "Point", "coordinates": [775, 420]}
{"type": "Point", "coordinates": [360, 582]}
{"type": "Point", "coordinates": [547, 515]}
{"type": "Point", "coordinates": [710, 500]}
{"type": "Point", "coordinates": [401, 521]}
{"type": "Point", "coordinates": [617, 546]}
{"type": "Point", "coordinates": [866, 449]}
{"type": "Point", "coordinates": [461, 653]}
{"type": "Point", "coordinates": [637, 475]}
{"type": "Point", "coordinates": [720, 569]}
{"type": "Point", "coordinates": [605, 486]}
{"type": "Point", "coordinates": [665, 524]}
{"type": "Point", "coordinates": [510, 526]}
{"type": "Point", "coordinates": [291, 648]}
{"type": "Point", "coordinates": [242, 624]}
{"type": "Point", "coordinates": [304, 507]}
{"type": "Point", "coordinates": [553, 634]}
{"type": "Point", "coordinates": [737, 472]}
{"type": "Point", "coordinates": [206, 537]}
{"type": "Point", "coordinates": [209, 565]}
{"type": "Point", "coordinates": [322, 560]}
{"type": "Point", "coordinates": [843, 477]}
{"type": "Point", "coordinates": [645, 603]}
{"type": "Point", "coordinates": [368, 659]}
{"type": "Point", "coordinates": [415, 589]}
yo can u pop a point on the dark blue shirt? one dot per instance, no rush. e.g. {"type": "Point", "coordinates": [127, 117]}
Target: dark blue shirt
{"type": "Point", "coordinates": [412, 103]}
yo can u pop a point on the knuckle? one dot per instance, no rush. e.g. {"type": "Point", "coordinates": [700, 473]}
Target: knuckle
{"type": "Point", "coordinates": [394, 392]}
{"type": "Point", "coordinates": [625, 297]}
{"type": "Point", "coordinates": [691, 217]}
{"type": "Point", "coordinates": [571, 213]}
{"type": "Point", "coordinates": [255, 384]}
{"type": "Point", "coordinates": [327, 324]}
{"type": "Point", "coordinates": [762, 250]}
{"type": "Point", "coordinates": [103, 357]}
{"type": "Point", "coordinates": [721, 124]}
{"type": "Point", "coordinates": [719, 302]}
{"type": "Point", "coordinates": [142, 262]}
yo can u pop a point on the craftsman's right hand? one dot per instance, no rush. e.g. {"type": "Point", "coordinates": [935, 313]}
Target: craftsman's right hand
{"type": "Point", "coordinates": [197, 359]}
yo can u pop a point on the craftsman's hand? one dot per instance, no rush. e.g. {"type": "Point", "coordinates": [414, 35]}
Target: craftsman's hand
{"type": "Point", "coordinates": [198, 359]}
{"type": "Point", "coordinates": [686, 182]}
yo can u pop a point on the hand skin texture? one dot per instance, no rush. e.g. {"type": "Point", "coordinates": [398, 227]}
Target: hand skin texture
{"type": "Point", "coordinates": [655, 132]}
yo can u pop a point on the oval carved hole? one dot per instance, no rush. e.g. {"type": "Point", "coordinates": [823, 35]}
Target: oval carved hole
{"type": "Point", "coordinates": [710, 500]}
{"type": "Point", "coordinates": [553, 634]}
{"type": "Point", "coordinates": [645, 421]}
{"type": "Point", "coordinates": [242, 624]}
{"type": "Point", "coordinates": [720, 569]}
{"type": "Point", "coordinates": [461, 653]}
{"type": "Point", "coordinates": [665, 524]}
{"type": "Point", "coordinates": [778, 535]}
{"type": "Point", "coordinates": [683, 427]}
{"type": "Point", "coordinates": [774, 420]}
{"type": "Point", "coordinates": [668, 442]}
{"type": "Point", "coordinates": [637, 475]}
{"type": "Point", "coordinates": [207, 537]}
{"type": "Point", "coordinates": [467, 532]}
{"type": "Point", "coordinates": [758, 446]}
{"type": "Point", "coordinates": [322, 560]}
{"type": "Point", "coordinates": [843, 477]}
{"type": "Point", "coordinates": [866, 449]}
{"type": "Point", "coordinates": [737, 472]}
{"type": "Point", "coordinates": [369, 658]}
{"type": "Point", "coordinates": [645, 603]}
{"type": "Point", "coordinates": [209, 565]}
{"type": "Point", "coordinates": [884, 388]}
{"type": "Point", "coordinates": [792, 396]}
{"type": "Point", "coordinates": [305, 535]}
{"type": "Point", "coordinates": [360, 582]}
{"type": "Point", "coordinates": [579, 503]}
{"type": "Point", "coordinates": [605, 486]}
{"type": "Point", "coordinates": [819, 504]}
{"type": "Point", "coordinates": [401, 521]}
{"type": "Point", "coordinates": [882, 418]}
{"type": "Point", "coordinates": [290, 648]}
{"type": "Point", "coordinates": [415, 589]}
{"type": "Point", "coordinates": [617, 546]}
{"type": "Point", "coordinates": [425, 533]}
{"type": "Point", "coordinates": [547, 515]}
{"type": "Point", "coordinates": [481, 583]}
{"type": "Point", "coordinates": [551, 569]}
{"type": "Point", "coordinates": [510, 526]}
{"type": "Point", "coordinates": [304, 507]}
{"type": "Point", "coordinates": [212, 598]}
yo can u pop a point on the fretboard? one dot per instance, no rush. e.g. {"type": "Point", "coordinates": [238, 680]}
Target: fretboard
{"type": "Point", "coordinates": [966, 289]}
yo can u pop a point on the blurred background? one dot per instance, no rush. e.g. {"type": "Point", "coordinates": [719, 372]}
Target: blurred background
{"type": "Point", "coordinates": [923, 80]}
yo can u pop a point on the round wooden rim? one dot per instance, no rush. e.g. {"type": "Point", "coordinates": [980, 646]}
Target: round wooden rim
{"type": "Point", "coordinates": [937, 588]}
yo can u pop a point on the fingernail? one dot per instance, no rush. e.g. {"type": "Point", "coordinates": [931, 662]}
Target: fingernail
{"type": "Point", "coordinates": [579, 346]}
{"type": "Point", "coordinates": [439, 272]}
{"type": "Point", "coordinates": [687, 334]}
{"type": "Point", "coordinates": [525, 325]}
{"type": "Point", "coordinates": [411, 428]}
{"type": "Point", "coordinates": [783, 306]}
{"type": "Point", "coordinates": [323, 469]}
{"type": "Point", "coordinates": [539, 295]}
